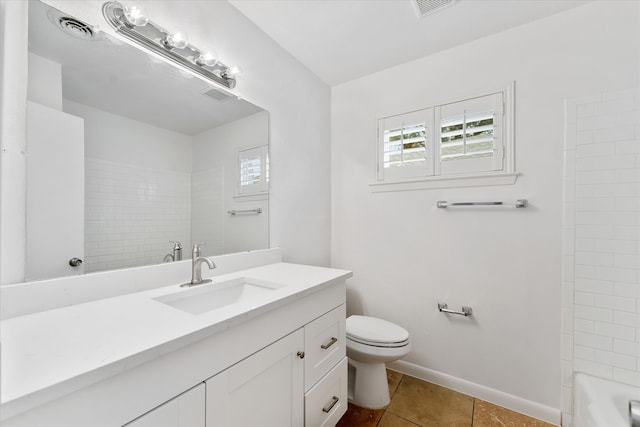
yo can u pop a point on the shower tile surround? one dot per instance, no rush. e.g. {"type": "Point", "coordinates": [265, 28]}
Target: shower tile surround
{"type": "Point", "coordinates": [601, 241]}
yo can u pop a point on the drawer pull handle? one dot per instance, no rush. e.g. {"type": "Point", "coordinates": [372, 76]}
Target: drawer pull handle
{"type": "Point", "coordinates": [331, 404]}
{"type": "Point", "coordinates": [300, 354]}
{"type": "Point", "coordinates": [332, 342]}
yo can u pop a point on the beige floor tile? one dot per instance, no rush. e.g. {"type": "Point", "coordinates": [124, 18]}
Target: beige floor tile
{"type": "Point", "coordinates": [393, 378]}
{"type": "Point", "coordinates": [391, 420]}
{"type": "Point", "coordinates": [486, 414]}
{"type": "Point", "coordinates": [360, 417]}
{"type": "Point", "coordinates": [429, 405]}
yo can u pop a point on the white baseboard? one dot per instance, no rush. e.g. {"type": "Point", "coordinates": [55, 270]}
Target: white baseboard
{"type": "Point", "coordinates": [500, 398]}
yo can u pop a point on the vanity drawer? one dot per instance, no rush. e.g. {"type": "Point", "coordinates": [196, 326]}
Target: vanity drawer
{"type": "Point", "coordinates": [324, 344]}
{"type": "Point", "coordinates": [326, 402]}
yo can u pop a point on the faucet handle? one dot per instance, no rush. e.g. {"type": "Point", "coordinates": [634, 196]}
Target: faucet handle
{"type": "Point", "coordinates": [176, 245]}
{"type": "Point", "coordinates": [196, 249]}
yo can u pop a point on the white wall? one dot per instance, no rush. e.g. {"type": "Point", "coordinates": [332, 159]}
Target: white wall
{"type": "Point", "coordinates": [119, 139]}
{"type": "Point", "coordinates": [601, 281]}
{"type": "Point", "coordinates": [407, 255]}
{"type": "Point", "coordinates": [45, 82]}
{"type": "Point", "coordinates": [13, 139]}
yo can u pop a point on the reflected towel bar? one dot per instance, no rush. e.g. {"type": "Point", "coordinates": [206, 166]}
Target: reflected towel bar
{"type": "Point", "coordinates": [246, 211]}
{"type": "Point", "coordinates": [466, 311]}
{"type": "Point", "coordinates": [520, 203]}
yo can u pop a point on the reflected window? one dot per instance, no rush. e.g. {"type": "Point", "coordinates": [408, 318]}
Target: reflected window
{"type": "Point", "coordinates": [253, 171]}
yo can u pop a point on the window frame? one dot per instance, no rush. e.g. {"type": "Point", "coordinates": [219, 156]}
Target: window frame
{"type": "Point", "coordinates": [261, 187]}
{"type": "Point", "coordinates": [501, 174]}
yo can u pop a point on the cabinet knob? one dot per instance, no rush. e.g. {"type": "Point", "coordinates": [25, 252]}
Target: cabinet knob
{"type": "Point", "coordinates": [301, 354]}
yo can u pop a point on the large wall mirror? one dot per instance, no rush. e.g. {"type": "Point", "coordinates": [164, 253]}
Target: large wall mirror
{"type": "Point", "coordinates": [127, 153]}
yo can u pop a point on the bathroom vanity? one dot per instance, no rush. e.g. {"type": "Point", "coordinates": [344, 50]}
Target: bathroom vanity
{"type": "Point", "coordinates": [261, 346]}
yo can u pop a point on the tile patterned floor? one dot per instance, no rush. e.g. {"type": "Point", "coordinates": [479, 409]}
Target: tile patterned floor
{"type": "Point", "coordinates": [417, 403]}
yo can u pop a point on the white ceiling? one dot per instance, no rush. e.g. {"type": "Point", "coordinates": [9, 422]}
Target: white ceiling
{"type": "Point", "coordinates": [340, 40]}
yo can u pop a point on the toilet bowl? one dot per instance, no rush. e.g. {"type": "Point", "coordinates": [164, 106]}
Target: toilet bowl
{"type": "Point", "coordinates": [372, 342]}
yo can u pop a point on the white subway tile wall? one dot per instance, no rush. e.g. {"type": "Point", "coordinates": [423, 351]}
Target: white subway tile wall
{"type": "Point", "coordinates": [131, 214]}
{"type": "Point", "coordinates": [601, 264]}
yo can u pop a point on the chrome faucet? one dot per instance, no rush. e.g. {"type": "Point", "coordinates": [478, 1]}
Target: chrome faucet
{"type": "Point", "coordinates": [634, 413]}
{"type": "Point", "coordinates": [196, 266]}
{"type": "Point", "coordinates": [176, 254]}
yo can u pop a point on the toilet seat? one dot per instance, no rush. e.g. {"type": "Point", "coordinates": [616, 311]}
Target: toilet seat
{"type": "Point", "coordinates": [378, 344]}
{"type": "Point", "coordinates": [376, 332]}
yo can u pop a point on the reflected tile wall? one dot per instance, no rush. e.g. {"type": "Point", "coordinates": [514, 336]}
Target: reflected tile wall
{"type": "Point", "coordinates": [131, 214]}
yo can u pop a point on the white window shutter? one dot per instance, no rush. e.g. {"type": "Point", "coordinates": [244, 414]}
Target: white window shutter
{"type": "Point", "coordinates": [464, 139]}
{"type": "Point", "coordinates": [405, 145]}
{"type": "Point", "coordinates": [252, 174]}
{"type": "Point", "coordinates": [468, 135]}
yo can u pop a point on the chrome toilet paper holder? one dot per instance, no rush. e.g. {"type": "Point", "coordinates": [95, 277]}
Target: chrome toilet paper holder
{"type": "Point", "coordinates": [466, 311]}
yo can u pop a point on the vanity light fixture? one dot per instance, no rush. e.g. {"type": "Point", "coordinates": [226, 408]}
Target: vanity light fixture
{"type": "Point", "coordinates": [130, 21]}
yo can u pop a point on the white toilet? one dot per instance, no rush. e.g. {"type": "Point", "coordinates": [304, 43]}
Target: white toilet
{"type": "Point", "coordinates": [372, 342]}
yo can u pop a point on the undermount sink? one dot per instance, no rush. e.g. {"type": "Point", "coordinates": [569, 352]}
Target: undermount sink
{"type": "Point", "coordinates": [211, 296]}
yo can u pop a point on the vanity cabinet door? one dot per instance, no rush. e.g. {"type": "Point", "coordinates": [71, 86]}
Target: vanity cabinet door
{"type": "Point", "coordinates": [186, 410]}
{"type": "Point", "coordinates": [265, 389]}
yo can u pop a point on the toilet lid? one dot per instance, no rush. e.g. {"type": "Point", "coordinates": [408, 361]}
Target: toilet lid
{"type": "Point", "coordinates": [376, 331]}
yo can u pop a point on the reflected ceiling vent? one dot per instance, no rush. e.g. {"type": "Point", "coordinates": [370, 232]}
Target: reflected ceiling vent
{"type": "Point", "coordinates": [72, 26]}
{"type": "Point", "coordinates": [427, 7]}
{"type": "Point", "coordinates": [217, 95]}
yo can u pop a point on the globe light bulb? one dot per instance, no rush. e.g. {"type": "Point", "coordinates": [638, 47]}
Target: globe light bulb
{"type": "Point", "coordinates": [232, 72]}
{"type": "Point", "coordinates": [176, 40]}
{"type": "Point", "coordinates": [134, 14]}
{"type": "Point", "coordinates": [207, 58]}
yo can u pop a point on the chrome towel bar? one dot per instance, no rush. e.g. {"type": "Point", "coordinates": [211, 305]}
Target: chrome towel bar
{"type": "Point", "coordinates": [466, 311]}
{"type": "Point", "coordinates": [520, 203]}
{"type": "Point", "coordinates": [246, 211]}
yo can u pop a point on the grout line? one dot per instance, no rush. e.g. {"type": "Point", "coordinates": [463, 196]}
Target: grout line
{"type": "Point", "coordinates": [473, 410]}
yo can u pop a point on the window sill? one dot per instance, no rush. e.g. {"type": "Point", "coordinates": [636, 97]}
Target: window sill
{"type": "Point", "coordinates": [475, 180]}
{"type": "Point", "coordinates": [251, 197]}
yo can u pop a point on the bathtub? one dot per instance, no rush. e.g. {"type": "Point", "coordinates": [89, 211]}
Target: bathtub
{"type": "Point", "coordinates": [602, 403]}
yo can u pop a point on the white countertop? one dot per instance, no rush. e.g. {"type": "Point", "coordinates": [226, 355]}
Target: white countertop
{"type": "Point", "coordinates": [48, 354]}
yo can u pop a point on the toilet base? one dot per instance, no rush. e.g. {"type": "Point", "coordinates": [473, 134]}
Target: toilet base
{"type": "Point", "coordinates": [370, 388]}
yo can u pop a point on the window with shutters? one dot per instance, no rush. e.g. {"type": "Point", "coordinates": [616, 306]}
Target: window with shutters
{"type": "Point", "coordinates": [455, 141]}
{"type": "Point", "coordinates": [253, 171]}
{"type": "Point", "coordinates": [406, 148]}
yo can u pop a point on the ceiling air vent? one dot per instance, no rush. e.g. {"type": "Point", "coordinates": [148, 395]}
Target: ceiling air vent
{"type": "Point", "coordinates": [427, 7]}
{"type": "Point", "coordinates": [217, 95]}
{"type": "Point", "coordinates": [71, 26]}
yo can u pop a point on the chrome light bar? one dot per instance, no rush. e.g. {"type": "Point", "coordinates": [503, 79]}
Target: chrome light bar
{"type": "Point", "coordinates": [155, 38]}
